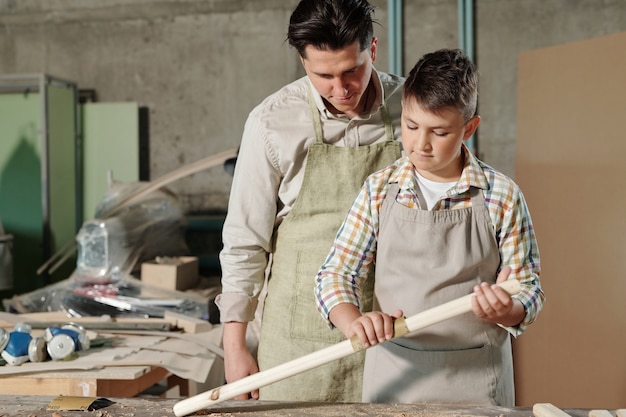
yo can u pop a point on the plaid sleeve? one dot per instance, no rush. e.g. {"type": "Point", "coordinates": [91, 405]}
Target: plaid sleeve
{"type": "Point", "coordinates": [350, 257]}
{"type": "Point", "coordinates": [519, 250]}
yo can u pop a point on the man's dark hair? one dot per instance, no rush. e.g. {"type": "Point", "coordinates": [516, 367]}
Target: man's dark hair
{"type": "Point", "coordinates": [330, 25]}
{"type": "Point", "coordinates": [444, 78]}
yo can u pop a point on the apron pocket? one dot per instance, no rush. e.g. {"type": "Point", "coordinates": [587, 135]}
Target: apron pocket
{"type": "Point", "coordinates": [306, 321]}
{"type": "Point", "coordinates": [397, 374]}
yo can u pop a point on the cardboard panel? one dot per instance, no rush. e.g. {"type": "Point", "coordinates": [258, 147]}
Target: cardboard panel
{"type": "Point", "coordinates": [570, 165]}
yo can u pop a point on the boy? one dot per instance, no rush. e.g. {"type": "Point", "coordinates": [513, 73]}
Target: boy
{"type": "Point", "coordinates": [438, 224]}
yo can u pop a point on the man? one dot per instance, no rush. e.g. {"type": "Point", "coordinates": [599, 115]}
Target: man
{"type": "Point", "coordinates": [305, 152]}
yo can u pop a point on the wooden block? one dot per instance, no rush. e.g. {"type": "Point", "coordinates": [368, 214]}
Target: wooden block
{"type": "Point", "coordinates": [188, 324]}
{"type": "Point", "coordinates": [548, 410]}
{"type": "Point", "coordinates": [178, 273]}
{"type": "Point", "coordinates": [600, 413]}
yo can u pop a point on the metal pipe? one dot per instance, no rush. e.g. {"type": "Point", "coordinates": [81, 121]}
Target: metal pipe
{"type": "Point", "coordinates": [466, 27]}
{"type": "Point", "coordinates": [466, 43]}
{"type": "Point", "coordinates": [395, 29]}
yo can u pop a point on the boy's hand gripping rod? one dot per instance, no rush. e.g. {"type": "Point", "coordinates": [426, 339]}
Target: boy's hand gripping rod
{"type": "Point", "coordinates": [402, 326]}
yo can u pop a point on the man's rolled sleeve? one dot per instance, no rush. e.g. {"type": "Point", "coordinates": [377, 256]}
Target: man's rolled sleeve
{"type": "Point", "coordinates": [236, 307]}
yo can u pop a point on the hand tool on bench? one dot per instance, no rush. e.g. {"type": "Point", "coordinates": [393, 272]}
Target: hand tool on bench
{"type": "Point", "coordinates": [402, 326]}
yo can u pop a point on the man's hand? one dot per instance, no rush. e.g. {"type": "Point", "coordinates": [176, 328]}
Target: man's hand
{"type": "Point", "coordinates": [238, 361]}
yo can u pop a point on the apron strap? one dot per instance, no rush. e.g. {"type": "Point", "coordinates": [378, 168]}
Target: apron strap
{"type": "Point", "coordinates": [315, 114]}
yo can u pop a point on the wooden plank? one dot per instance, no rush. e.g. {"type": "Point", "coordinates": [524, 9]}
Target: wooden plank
{"type": "Point", "coordinates": [130, 382]}
{"type": "Point", "coordinates": [43, 367]}
{"type": "Point", "coordinates": [83, 387]}
{"type": "Point", "coordinates": [130, 388]}
{"type": "Point", "coordinates": [119, 369]}
{"type": "Point", "coordinates": [41, 320]}
{"type": "Point", "coordinates": [107, 372]}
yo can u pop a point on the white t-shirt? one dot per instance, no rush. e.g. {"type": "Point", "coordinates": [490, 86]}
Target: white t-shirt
{"type": "Point", "coordinates": [432, 191]}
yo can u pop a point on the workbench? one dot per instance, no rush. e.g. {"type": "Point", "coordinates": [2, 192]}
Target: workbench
{"type": "Point", "coordinates": [36, 406]}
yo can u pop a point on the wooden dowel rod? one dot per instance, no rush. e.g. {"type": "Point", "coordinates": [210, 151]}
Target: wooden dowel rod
{"type": "Point", "coordinates": [261, 379]}
{"type": "Point", "coordinates": [68, 247]}
{"type": "Point", "coordinates": [313, 360]}
{"type": "Point", "coordinates": [548, 410]}
{"type": "Point", "coordinates": [192, 168]}
{"type": "Point", "coordinates": [452, 308]}
{"type": "Point", "coordinates": [70, 252]}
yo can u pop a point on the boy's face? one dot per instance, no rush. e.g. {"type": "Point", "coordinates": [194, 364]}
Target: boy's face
{"type": "Point", "coordinates": [432, 140]}
{"type": "Point", "coordinates": [341, 77]}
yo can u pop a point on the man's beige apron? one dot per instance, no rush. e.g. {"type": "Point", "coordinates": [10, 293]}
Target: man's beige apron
{"type": "Point", "coordinates": [424, 259]}
{"type": "Point", "coordinates": [292, 327]}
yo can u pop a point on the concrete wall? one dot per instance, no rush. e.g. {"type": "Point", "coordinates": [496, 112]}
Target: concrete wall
{"type": "Point", "coordinates": [199, 66]}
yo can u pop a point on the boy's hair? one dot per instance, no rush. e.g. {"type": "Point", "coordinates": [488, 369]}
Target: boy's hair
{"type": "Point", "coordinates": [444, 78]}
{"type": "Point", "coordinates": [330, 25]}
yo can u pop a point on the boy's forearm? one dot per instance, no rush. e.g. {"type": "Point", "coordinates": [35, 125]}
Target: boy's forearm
{"type": "Point", "coordinates": [516, 315]}
{"type": "Point", "coordinates": [342, 316]}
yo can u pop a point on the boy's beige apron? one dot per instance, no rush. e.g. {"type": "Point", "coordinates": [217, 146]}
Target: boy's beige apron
{"type": "Point", "coordinates": [424, 259]}
{"type": "Point", "coordinates": [291, 325]}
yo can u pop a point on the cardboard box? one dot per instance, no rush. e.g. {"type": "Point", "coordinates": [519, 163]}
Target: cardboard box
{"type": "Point", "coordinates": [172, 273]}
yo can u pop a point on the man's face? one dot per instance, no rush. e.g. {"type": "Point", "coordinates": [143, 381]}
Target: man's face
{"type": "Point", "coordinates": [341, 77]}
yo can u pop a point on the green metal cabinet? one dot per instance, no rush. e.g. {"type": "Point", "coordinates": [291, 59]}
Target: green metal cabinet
{"type": "Point", "coordinates": [40, 179]}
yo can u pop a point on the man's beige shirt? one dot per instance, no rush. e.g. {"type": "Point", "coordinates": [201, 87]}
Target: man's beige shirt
{"type": "Point", "coordinates": [269, 172]}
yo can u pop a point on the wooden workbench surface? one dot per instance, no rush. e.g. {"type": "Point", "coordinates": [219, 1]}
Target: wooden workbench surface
{"type": "Point", "coordinates": [35, 406]}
